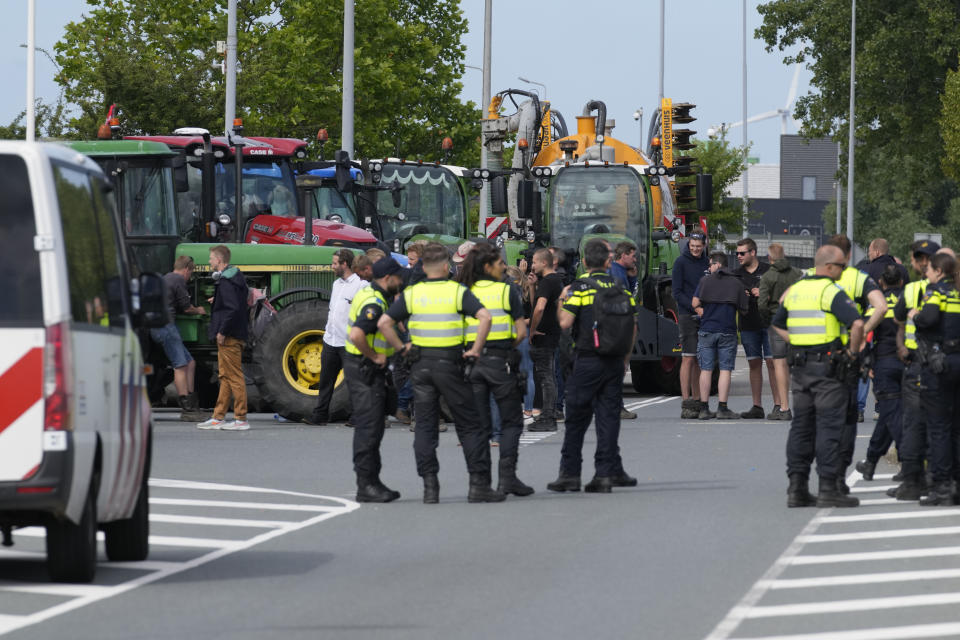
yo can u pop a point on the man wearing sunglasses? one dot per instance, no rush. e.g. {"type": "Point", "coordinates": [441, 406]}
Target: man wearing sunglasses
{"type": "Point", "coordinates": [688, 269]}
{"type": "Point", "coordinates": [753, 331]}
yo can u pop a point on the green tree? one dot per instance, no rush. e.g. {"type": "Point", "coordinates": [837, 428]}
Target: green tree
{"type": "Point", "coordinates": [156, 59]}
{"type": "Point", "coordinates": [50, 120]}
{"type": "Point", "coordinates": [905, 52]}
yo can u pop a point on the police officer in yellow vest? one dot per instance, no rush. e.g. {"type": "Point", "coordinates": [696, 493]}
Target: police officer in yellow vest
{"type": "Point", "coordinates": [497, 370]}
{"type": "Point", "coordinates": [913, 449]}
{"type": "Point", "coordinates": [365, 370]}
{"type": "Point", "coordinates": [864, 292]}
{"type": "Point", "coordinates": [811, 318]}
{"type": "Point", "coordinates": [434, 310]}
{"type": "Point", "coordinates": [887, 369]}
{"type": "Point", "coordinates": [938, 349]}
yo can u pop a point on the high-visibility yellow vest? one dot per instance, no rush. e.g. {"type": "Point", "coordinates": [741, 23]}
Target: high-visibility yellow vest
{"type": "Point", "coordinates": [891, 303]}
{"type": "Point", "coordinates": [377, 342]}
{"type": "Point", "coordinates": [852, 281]}
{"type": "Point", "coordinates": [946, 297]}
{"type": "Point", "coordinates": [435, 313]}
{"type": "Point", "coordinates": [495, 296]}
{"type": "Point", "coordinates": [911, 298]}
{"type": "Point", "coordinates": [810, 322]}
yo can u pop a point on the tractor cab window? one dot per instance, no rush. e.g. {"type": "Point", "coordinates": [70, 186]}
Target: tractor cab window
{"type": "Point", "coordinates": [431, 202]}
{"type": "Point", "coordinates": [330, 204]}
{"type": "Point", "coordinates": [148, 201]}
{"type": "Point", "coordinates": [268, 188]}
{"type": "Point", "coordinates": [597, 200]}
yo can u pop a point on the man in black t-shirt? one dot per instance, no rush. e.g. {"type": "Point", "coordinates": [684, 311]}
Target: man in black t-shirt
{"type": "Point", "coordinates": [545, 332]}
{"type": "Point", "coordinates": [753, 330]}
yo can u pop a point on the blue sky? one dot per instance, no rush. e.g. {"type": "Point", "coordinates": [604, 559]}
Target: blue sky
{"type": "Point", "coordinates": [581, 51]}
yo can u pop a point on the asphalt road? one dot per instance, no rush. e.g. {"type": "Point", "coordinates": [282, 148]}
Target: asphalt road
{"type": "Point", "coordinates": [257, 536]}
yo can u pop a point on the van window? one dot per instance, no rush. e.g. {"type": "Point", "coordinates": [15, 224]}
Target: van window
{"type": "Point", "coordinates": [19, 263]}
{"type": "Point", "coordinates": [91, 248]}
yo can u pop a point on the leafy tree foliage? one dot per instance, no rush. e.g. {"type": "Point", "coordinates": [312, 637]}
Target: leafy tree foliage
{"type": "Point", "coordinates": [724, 162]}
{"type": "Point", "coordinates": [50, 121]}
{"type": "Point", "coordinates": [905, 51]}
{"type": "Point", "coordinates": [157, 59]}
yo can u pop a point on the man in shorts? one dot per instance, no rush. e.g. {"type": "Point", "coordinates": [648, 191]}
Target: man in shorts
{"type": "Point", "coordinates": [168, 337]}
{"type": "Point", "coordinates": [773, 284]}
{"type": "Point", "coordinates": [688, 269]}
{"type": "Point", "coordinates": [753, 330]}
{"type": "Point", "coordinates": [717, 300]}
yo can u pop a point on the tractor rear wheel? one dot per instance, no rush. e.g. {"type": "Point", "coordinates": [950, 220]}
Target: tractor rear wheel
{"type": "Point", "coordinates": [287, 362]}
{"type": "Point", "coordinates": [667, 370]}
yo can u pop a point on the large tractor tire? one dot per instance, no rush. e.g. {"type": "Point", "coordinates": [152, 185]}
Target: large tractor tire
{"type": "Point", "coordinates": [287, 362]}
{"type": "Point", "coordinates": [667, 371]}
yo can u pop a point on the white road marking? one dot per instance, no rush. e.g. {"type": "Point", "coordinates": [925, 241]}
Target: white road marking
{"type": "Point", "coordinates": [939, 512]}
{"type": "Point", "coordinates": [867, 556]}
{"type": "Point", "coordinates": [936, 630]}
{"type": "Point", "coordinates": [66, 590]}
{"type": "Point", "coordinates": [845, 606]}
{"type": "Point", "coordinates": [219, 522]}
{"type": "Point", "coordinates": [879, 535]}
{"type": "Point", "coordinates": [83, 595]}
{"type": "Point", "coordinates": [749, 606]}
{"type": "Point", "coordinates": [876, 488]}
{"type": "Point", "coordinates": [864, 578]}
{"type": "Point", "coordinates": [270, 506]}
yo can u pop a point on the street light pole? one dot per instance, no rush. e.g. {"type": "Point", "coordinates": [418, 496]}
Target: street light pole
{"type": "Point", "coordinates": [487, 45]}
{"type": "Point", "coordinates": [31, 69]}
{"type": "Point", "coordinates": [522, 79]}
{"type": "Point", "coordinates": [746, 165]}
{"type": "Point", "coordinates": [850, 150]}
{"type": "Point", "coordinates": [346, 142]}
{"type": "Point", "coordinates": [230, 107]}
{"type": "Point", "coordinates": [662, 19]}
{"type": "Point", "coordinates": [638, 116]}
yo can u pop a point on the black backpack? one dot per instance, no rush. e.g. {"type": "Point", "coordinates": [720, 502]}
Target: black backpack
{"type": "Point", "coordinates": [613, 319]}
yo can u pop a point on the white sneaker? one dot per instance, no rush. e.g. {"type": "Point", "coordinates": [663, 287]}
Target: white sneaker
{"type": "Point", "coordinates": [212, 423]}
{"type": "Point", "coordinates": [236, 425]}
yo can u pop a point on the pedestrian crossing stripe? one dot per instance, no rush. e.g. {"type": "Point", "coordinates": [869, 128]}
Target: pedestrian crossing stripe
{"type": "Point", "coordinates": [310, 509]}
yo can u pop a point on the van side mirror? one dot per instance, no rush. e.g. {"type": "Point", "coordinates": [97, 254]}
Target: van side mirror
{"type": "Point", "coordinates": [704, 192]}
{"type": "Point", "coordinates": [154, 312]}
{"type": "Point", "coordinates": [525, 202]}
{"type": "Point", "coordinates": [498, 195]}
{"type": "Point", "coordinates": [179, 165]}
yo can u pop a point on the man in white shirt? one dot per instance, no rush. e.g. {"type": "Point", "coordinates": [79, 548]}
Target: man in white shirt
{"type": "Point", "coordinates": [335, 333]}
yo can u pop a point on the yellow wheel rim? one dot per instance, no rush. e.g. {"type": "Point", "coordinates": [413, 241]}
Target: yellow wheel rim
{"type": "Point", "coordinates": [301, 361]}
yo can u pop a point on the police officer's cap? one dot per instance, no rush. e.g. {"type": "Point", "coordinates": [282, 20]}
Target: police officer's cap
{"type": "Point", "coordinates": [386, 266]}
{"type": "Point", "coordinates": [926, 247]}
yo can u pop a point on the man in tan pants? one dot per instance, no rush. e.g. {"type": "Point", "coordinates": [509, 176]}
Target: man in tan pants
{"type": "Point", "coordinates": [228, 324]}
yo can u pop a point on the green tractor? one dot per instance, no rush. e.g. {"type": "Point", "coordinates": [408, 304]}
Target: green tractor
{"type": "Point", "coordinates": [282, 361]}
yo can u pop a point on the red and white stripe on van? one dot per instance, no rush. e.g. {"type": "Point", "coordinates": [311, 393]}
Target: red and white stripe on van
{"type": "Point", "coordinates": [22, 362]}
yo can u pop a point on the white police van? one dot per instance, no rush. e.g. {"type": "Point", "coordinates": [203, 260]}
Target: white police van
{"type": "Point", "coordinates": [75, 424]}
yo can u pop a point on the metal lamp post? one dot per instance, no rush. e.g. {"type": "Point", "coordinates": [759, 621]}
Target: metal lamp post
{"type": "Point", "coordinates": [638, 116]}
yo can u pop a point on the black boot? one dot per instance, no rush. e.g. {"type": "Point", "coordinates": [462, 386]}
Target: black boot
{"type": "Point", "coordinates": [622, 479]}
{"type": "Point", "coordinates": [798, 493]}
{"type": "Point", "coordinates": [189, 412]}
{"type": "Point", "coordinates": [911, 488]}
{"type": "Point", "coordinates": [565, 483]}
{"type": "Point", "coordinates": [831, 496]}
{"type": "Point", "coordinates": [866, 469]}
{"type": "Point", "coordinates": [508, 481]}
{"type": "Point", "coordinates": [599, 484]}
{"type": "Point", "coordinates": [431, 489]}
{"type": "Point", "coordinates": [481, 491]}
{"type": "Point", "coordinates": [372, 490]}
{"type": "Point", "coordinates": [940, 495]}
{"type": "Point", "coordinates": [842, 486]}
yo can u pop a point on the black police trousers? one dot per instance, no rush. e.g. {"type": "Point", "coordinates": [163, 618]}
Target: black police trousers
{"type": "Point", "coordinates": [368, 394]}
{"type": "Point", "coordinates": [819, 411]}
{"type": "Point", "coordinates": [595, 388]}
{"type": "Point", "coordinates": [331, 362]}
{"type": "Point", "coordinates": [938, 399]}
{"type": "Point", "coordinates": [490, 375]}
{"type": "Point", "coordinates": [887, 378]}
{"type": "Point", "coordinates": [913, 448]}
{"type": "Point", "coordinates": [435, 376]}
{"type": "Point", "coordinates": [848, 436]}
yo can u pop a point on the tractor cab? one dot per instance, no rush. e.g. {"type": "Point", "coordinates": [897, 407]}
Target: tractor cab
{"type": "Point", "coordinates": [429, 202]}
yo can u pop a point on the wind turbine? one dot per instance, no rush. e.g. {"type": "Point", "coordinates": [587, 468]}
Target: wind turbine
{"type": "Point", "coordinates": [784, 114]}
